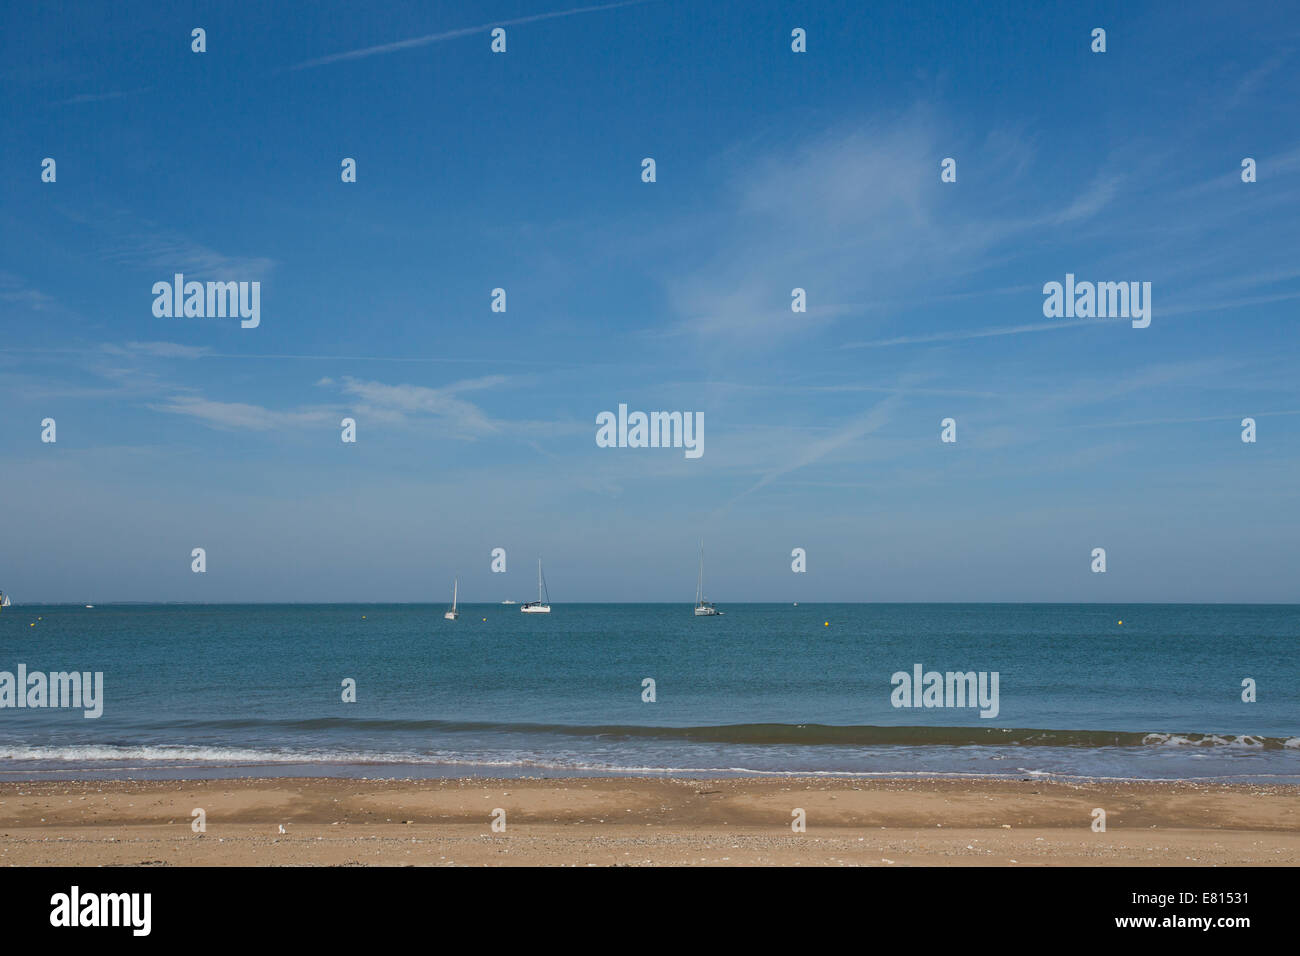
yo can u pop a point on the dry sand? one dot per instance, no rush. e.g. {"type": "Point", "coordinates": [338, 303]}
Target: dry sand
{"type": "Point", "coordinates": [645, 821]}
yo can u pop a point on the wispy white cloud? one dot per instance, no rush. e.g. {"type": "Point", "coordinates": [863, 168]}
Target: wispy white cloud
{"type": "Point", "coordinates": [377, 401]}
{"type": "Point", "coordinates": [792, 388]}
{"type": "Point", "coordinates": [431, 38]}
{"type": "Point", "coordinates": [1096, 198]}
{"type": "Point", "coordinates": [243, 415]}
{"type": "Point", "coordinates": [170, 251]}
{"type": "Point", "coordinates": [14, 290]}
{"type": "Point", "coordinates": [101, 97]}
{"type": "Point", "coordinates": [422, 400]}
{"type": "Point", "coordinates": [1184, 421]}
{"type": "Point", "coordinates": [961, 334]}
{"type": "Point", "coordinates": [860, 215]}
{"type": "Point", "coordinates": [1241, 302]}
{"type": "Point", "coordinates": [814, 451]}
{"type": "Point", "coordinates": [142, 244]}
{"type": "Point", "coordinates": [159, 350]}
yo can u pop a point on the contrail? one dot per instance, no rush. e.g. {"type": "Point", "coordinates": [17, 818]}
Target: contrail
{"type": "Point", "coordinates": [875, 417]}
{"type": "Point", "coordinates": [453, 34]}
{"type": "Point", "coordinates": [973, 334]}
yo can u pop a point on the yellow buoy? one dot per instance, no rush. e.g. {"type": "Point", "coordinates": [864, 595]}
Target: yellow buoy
{"type": "Point", "coordinates": [828, 624]}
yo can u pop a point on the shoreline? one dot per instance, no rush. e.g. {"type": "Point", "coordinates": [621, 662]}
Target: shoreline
{"type": "Point", "coordinates": [416, 773]}
{"type": "Point", "coordinates": [641, 820]}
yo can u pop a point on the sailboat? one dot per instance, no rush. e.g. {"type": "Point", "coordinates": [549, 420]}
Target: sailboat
{"type": "Point", "coordinates": [539, 606]}
{"type": "Point", "coordinates": [4, 599]}
{"type": "Point", "coordinates": [703, 608]}
{"type": "Point", "coordinates": [453, 613]}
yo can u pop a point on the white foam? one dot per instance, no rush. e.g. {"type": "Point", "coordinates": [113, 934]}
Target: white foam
{"type": "Point", "coordinates": [1206, 740]}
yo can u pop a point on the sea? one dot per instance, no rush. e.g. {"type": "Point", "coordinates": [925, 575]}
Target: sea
{"type": "Point", "coordinates": [1084, 691]}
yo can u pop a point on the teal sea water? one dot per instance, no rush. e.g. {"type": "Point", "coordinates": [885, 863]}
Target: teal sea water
{"type": "Point", "coordinates": [198, 690]}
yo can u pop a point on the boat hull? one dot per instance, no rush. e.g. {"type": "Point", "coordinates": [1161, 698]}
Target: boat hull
{"type": "Point", "coordinates": [536, 609]}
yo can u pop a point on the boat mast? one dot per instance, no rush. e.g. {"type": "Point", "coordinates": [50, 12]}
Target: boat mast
{"type": "Point", "coordinates": [699, 584]}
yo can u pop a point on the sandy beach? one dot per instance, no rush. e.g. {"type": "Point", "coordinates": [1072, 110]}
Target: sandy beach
{"type": "Point", "coordinates": [644, 822]}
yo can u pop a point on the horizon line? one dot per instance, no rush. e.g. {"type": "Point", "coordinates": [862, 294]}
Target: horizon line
{"type": "Point", "coordinates": [687, 603]}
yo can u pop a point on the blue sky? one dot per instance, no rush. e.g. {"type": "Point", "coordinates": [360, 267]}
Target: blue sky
{"type": "Point", "coordinates": [775, 170]}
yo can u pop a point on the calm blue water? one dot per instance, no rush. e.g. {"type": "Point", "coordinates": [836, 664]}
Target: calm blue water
{"type": "Point", "coordinates": [233, 690]}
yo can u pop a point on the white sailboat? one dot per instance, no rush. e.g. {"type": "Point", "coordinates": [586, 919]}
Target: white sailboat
{"type": "Point", "coordinates": [703, 608]}
{"type": "Point", "coordinates": [453, 613]}
{"type": "Point", "coordinates": [4, 599]}
{"type": "Point", "coordinates": [539, 606]}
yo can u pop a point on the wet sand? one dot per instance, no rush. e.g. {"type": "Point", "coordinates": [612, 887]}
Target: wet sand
{"type": "Point", "coordinates": [645, 822]}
